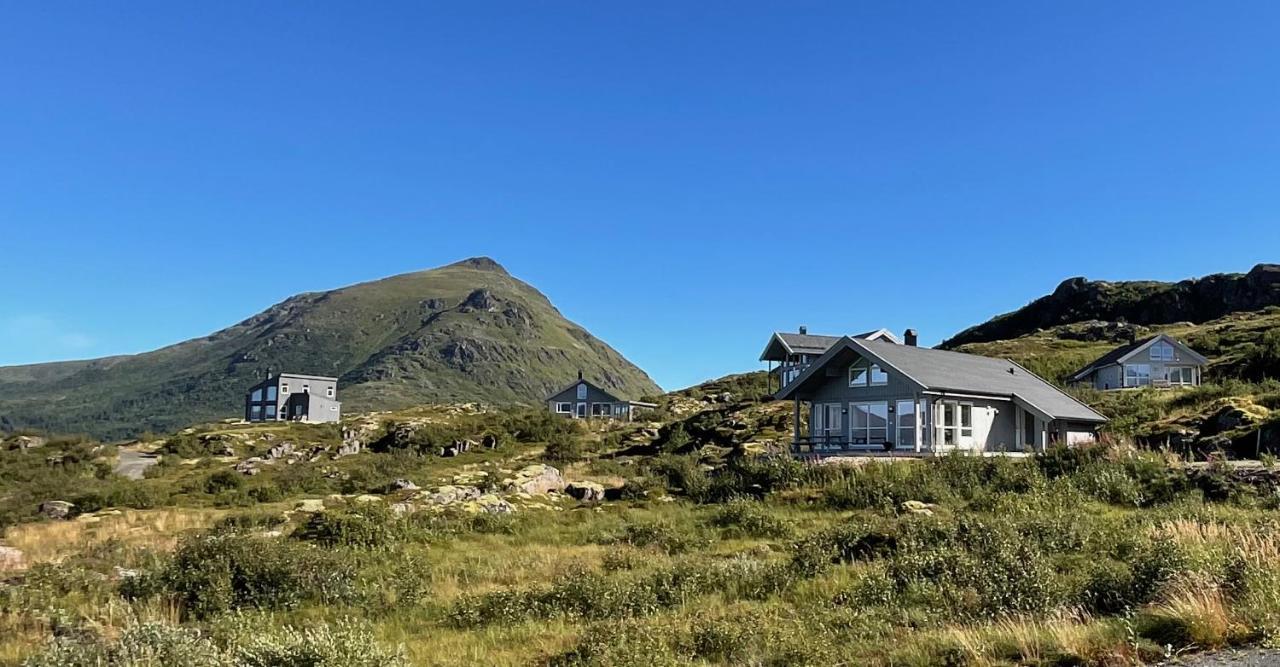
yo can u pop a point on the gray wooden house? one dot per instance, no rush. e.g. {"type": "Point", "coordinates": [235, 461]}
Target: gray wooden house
{"type": "Point", "coordinates": [582, 399]}
{"type": "Point", "coordinates": [788, 354]}
{"type": "Point", "coordinates": [1158, 361]}
{"type": "Point", "coordinates": [293, 397]}
{"type": "Point", "coordinates": [863, 395]}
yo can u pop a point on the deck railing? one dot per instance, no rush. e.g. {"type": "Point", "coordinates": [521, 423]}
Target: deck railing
{"type": "Point", "coordinates": [828, 445]}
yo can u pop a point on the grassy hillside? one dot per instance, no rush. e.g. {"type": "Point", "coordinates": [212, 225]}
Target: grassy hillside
{"type": "Point", "coordinates": [697, 550]}
{"type": "Point", "coordinates": [465, 332]}
{"type": "Point", "coordinates": [1138, 302]}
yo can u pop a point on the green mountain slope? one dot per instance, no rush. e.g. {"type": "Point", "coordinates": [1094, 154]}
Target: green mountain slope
{"type": "Point", "coordinates": [1138, 302]}
{"type": "Point", "coordinates": [464, 332]}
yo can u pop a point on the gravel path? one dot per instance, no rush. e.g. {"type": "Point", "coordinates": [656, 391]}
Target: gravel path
{"type": "Point", "coordinates": [133, 463]}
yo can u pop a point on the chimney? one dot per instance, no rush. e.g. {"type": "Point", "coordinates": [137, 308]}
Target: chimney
{"type": "Point", "coordinates": [579, 373]}
{"type": "Point", "coordinates": [910, 337]}
{"type": "Point", "coordinates": [803, 330]}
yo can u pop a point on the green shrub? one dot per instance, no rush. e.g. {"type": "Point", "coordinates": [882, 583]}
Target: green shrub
{"type": "Point", "coordinates": [143, 645]}
{"type": "Point", "coordinates": [564, 450]}
{"type": "Point", "coordinates": [665, 536]}
{"type": "Point", "coordinates": [749, 519]}
{"type": "Point", "coordinates": [344, 644]}
{"type": "Point", "coordinates": [223, 480]}
{"type": "Point", "coordinates": [250, 521]}
{"type": "Point", "coordinates": [212, 574]}
{"type": "Point", "coordinates": [366, 526]}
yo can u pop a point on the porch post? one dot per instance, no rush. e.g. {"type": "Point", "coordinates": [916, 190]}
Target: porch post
{"type": "Point", "coordinates": [919, 426]}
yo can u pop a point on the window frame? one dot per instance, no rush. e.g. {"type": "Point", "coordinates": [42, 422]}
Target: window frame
{"type": "Point", "coordinates": [869, 434]}
{"type": "Point", "coordinates": [1161, 350]}
{"type": "Point", "coordinates": [1137, 376]}
{"type": "Point", "coordinates": [567, 405]}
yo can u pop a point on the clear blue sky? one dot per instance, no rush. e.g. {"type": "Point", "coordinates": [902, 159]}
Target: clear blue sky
{"type": "Point", "coordinates": [680, 178]}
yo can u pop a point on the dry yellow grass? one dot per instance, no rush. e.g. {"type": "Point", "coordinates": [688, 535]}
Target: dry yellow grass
{"type": "Point", "coordinates": [54, 540]}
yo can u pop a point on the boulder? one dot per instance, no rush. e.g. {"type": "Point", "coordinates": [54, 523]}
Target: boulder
{"type": "Point", "coordinates": [488, 504]}
{"type": "Point", "coordinates": [56, 509]}
{"type": "Point", "coordinates": [917, 507]}
{"type": "Point", "coordinates": [402, 508]}
{"type": "Point", "coordinates": [448, 495]}
{"type": "Point", "coordinates": [534, 479]}
{"type": "Point", "coordinates": [225, 449]}
{"type": "Point", "coordinates": [589, 492]}
{"type": "Point", "coordinates": [12, 558]}
{"type": "Point", "coordinates": [27, 442]}
{"type": "Point", "coordinates": [403, 485]}
{"type": "Point", "coordinates": [348, 448]}
{"type": "Point", "coordinates": [280, 451]}
{"type": "Point", "coordinates": [249, 466]}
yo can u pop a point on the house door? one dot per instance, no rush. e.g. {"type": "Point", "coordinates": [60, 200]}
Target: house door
{"type": "Point", "coordinates": [955, 428]}
{"type": "Point", "coordinates": [582, 411]}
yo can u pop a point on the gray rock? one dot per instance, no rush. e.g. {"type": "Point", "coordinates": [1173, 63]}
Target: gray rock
{"type": "Point", "coordinates": [56, 509]}
{"type": "Point", "coordinates": [589, 492]}
{"type": "Point", "coordinates": [280, 451]}
{"type": "Point", "coordinates": [249, 466]}
{"type": "Point", "coordinates": [12, 558]}
{"type": "Point", "coordinates": [448, 495]}
{"type": "Point", "coordinates": [27, 442]}
{"type": "Point", "coordinates": [535, 479]}
{"type": "Point", "coordinates": [404, 485]}
{"type": "Point", "coordinates": [348, 448]}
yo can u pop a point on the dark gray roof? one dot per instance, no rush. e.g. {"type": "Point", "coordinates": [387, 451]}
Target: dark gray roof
{"type": "Point", "coordinates": [798, 343]}
{"type": "Point", "coordinates": [943, 370]}
{"type": "Point", "coordinates": [589, 383]}
{"type": "Point", "coordinates": [1117, 355]}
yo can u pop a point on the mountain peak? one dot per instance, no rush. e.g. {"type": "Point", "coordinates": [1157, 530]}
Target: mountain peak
{"type": "Point", "coordinates": [481, 263]}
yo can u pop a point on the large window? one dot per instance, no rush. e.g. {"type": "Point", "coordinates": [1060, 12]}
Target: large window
{"type": "Point", "coordinates": [827, 422]}
{"type": "Point", "coordinates": [1137, 375]}
{"type": "Point", "coordinates": [564, 408]}
{"type": "Point", "coordinates": [256, 396]}
{"type": "Point", "coordinates": [255, 413]}
{"type": "Point", "coordinates": [868, 423]}
{"type": "Point", "coordinates": [271, 393]}
{"type": "Point", "coordinates": [1161, 351]}
{"type": "Point", "coordinates": [906, 417]}
{"type": "Point", "coordinates": [601, 409]}
{"type": "Point", "coordinates": [1180, 375]}
{"type": "Point", "coordinates": [864, 373]}
{"type": "Point", "coordinates": [582, 392]}
{"type": "Point", "coordinates": [271, 412]}
{"type": "Point", "coordinates": [957, 423]}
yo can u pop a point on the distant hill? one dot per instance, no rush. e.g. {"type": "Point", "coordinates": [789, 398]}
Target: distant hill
{"type": "Point", "coordinates": [1137, 302]}
{"type": "Point", "coordinates": [464, 332]}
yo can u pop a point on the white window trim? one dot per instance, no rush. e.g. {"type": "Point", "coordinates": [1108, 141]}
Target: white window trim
{"type": "Point", "coordinates": [1137, 377]}
{"type": "Point", "coordinates": [854, 407]}
{"type": "Point", "coordinates": [564, 408]}
{"type": "Point", "coordinates": [284, 388]}
{"type": "Point", "coordinates": [869, 379]}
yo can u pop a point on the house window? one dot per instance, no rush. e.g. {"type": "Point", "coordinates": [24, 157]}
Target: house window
{"type": "Point", "coordinates": [868, 423]}
{"type": "Point", "coordinates": [564, 408]}
{"type": "Point", "coordinates": [284, 388]}
{"type": "Point", "coordinates": [306, 389]}
{"type": "Point", "coordinates": [271, 412]}
{"type": "Point", "coordinates": [864, 373]}
{"type": "Point", "coordinates": [271, 393]}
{"type": "Point", "coordinates": [1180, 375]}
{"type": "Point", "coordinates": [1162, 351]}
{"type": "Point", "coordinates": [256, 395]}
{"type": "Point", "coordinates": [297, 410]}
{"type": "Point", "coordinates": [255, 413]}
{"type": "Point", "coordinates": [328, 391]}
{"type": "Point", "coordinates": [966, 420]}
{"type": "Point", "coordinates": [601, 409]}
{"type": "Point", "coordinates": [827, 422]}
{"type": "Point", "coordinates": [582, 392]}
{"type": "Point", "coordinates": [906, 424]}
{"type": "Point", "coordinates": [957, 423]}
{"type": "Point", "coordinates": [1137, 375]}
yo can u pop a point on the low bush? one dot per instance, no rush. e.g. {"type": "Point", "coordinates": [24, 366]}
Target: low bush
{"type": "Point", "coordinates": [749, 519]}
{"type": "Point", "coordinates": [215, 573]}
{"type": "Point", "coordinates": [365, 526]}
{"type": "Point", "coordinates": [143, 645]}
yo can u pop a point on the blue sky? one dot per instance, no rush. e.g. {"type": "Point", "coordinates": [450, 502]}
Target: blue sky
{"type": "Point", "coordinates": [739, 167]}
